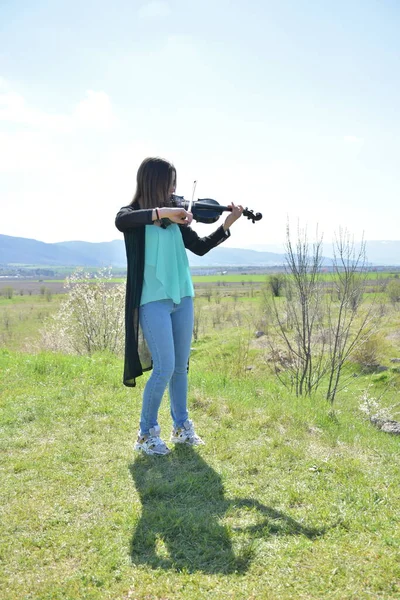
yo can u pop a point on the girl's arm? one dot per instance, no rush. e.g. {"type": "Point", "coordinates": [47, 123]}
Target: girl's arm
{"type": "Point", "coordinates": [201, 246]}
{"type": "Point", "coordinates": [129, 216]}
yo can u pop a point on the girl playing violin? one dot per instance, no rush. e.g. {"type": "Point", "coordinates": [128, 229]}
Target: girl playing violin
{"type": "Point", "coordinates": [159, 299]}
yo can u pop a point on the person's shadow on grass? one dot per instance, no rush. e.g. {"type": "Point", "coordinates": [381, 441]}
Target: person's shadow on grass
{"type": "Point", "coordinates": [183, 502]}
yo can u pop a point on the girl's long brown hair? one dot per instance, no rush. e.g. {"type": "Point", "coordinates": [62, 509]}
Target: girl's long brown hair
{"type": "Point", "coordinates": [153, 181]}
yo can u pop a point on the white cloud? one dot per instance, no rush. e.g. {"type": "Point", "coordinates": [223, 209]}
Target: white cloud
{"type": "Point", "coordinates": [93, 112]}
{"type": "Point", "coordinates": [55, 179]}
{"type": "Point", "coordinates": [35, 140]}
{"type": "Point", "coordinates": [28, 151]}
{"type": "Point", "coordinates": [14, 110]}
{"type": "Point", "coordinates": [157, 9]}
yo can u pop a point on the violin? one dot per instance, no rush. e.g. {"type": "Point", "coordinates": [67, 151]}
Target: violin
{"type": "Point", "coordinates": [207, 210]}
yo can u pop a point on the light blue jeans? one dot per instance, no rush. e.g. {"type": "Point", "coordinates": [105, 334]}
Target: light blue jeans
{"type": "Point", "coordinates": [167, 329]}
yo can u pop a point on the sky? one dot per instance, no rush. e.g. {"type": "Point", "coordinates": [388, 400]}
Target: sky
{"type": "Point", "coordinates": [288, 107]}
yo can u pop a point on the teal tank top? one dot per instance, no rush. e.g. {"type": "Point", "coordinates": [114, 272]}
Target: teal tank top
{"type": "Point", "coordinates": [166, 266]}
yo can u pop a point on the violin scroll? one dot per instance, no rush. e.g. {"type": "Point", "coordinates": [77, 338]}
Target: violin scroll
{"type": "Point", "coordinates": [250, 215]}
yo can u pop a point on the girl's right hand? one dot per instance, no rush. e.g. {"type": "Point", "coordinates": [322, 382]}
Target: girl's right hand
{"type": "Point", "coordinates": [176, 215]}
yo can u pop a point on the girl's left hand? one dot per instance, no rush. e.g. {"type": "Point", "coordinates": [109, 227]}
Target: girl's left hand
{"type": "Point", "coordinates": [236, 213]}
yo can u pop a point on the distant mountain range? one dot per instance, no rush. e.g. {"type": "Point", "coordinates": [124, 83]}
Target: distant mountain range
{"type": "Point", "coordinates": [25, 251]}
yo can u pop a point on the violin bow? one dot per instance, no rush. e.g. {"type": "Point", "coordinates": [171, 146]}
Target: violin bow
{"type": "Point", "coordinates": [191, 201]}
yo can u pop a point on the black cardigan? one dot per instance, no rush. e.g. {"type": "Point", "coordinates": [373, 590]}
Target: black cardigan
{"type": "Point", "coordinates": [131, 221]}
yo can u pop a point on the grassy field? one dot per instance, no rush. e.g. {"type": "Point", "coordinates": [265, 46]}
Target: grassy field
{"type": "Point", "coordinates": [286, 500]}
{"type": "Point", "coordinates": [256, 278]}
{"type": "Point", "coordinates": [21, 318]}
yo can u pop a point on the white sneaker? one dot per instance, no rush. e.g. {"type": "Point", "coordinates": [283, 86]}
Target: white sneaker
{"type": "Point", "coordinates": [186, 435]}
{"type": "Point", "coordinates": [152, 444]}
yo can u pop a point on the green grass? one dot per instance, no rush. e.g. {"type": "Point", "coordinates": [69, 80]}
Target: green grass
{"type": "Point", "coordinates": [22, 317]}
{"type": "Point", "coordinates": [249, 277]}
{"type": "Point", "coordinates": [237, 278]}
{"type": "Point", "coordinates": [196, 278]}
{"type": "Point", "coordinates": [259, 278]}
{"type": "Point", "coordinates": [283, 502]}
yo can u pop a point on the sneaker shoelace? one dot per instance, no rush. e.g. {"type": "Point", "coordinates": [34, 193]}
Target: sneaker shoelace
{"type": "Point", "coordinates": [190, 433]}
{"type": "Point", "coordinates": [155, 441]}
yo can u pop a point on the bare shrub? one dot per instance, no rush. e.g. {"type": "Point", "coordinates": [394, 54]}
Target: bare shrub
{"type": "Point", "coordinates": [197, 322]}
{"type": "Point", "coordinates": [317, 331]}
{"type": "Point", "coordinates": [241, 351]}
{"type": "Point", "coordinates": [8, 292]}
{"type": "Point", "coordinates": [91, 318]}
{"type": "Point", "coordinates": [349, 326]}
{"type": "Point", "coordinates": [232, 356]}
{"type": "Point", "coordinates": [298, 319]}
{"type": "Point", "coordinates": [368, 353]}
{"type": "Point", "coordinates": [7, 321]}
{"type": "Point", "coordinates": [393, 291]}
{"type": "Point", "coordinates": [276, 284]}
{"type": "Point", "coordinates": [217, 316]}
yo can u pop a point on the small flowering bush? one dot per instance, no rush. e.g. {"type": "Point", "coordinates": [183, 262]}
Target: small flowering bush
{"type": "Point", "coordinates": [372, 407]}
{"type": "Point", "coordinates": [91, 318]}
